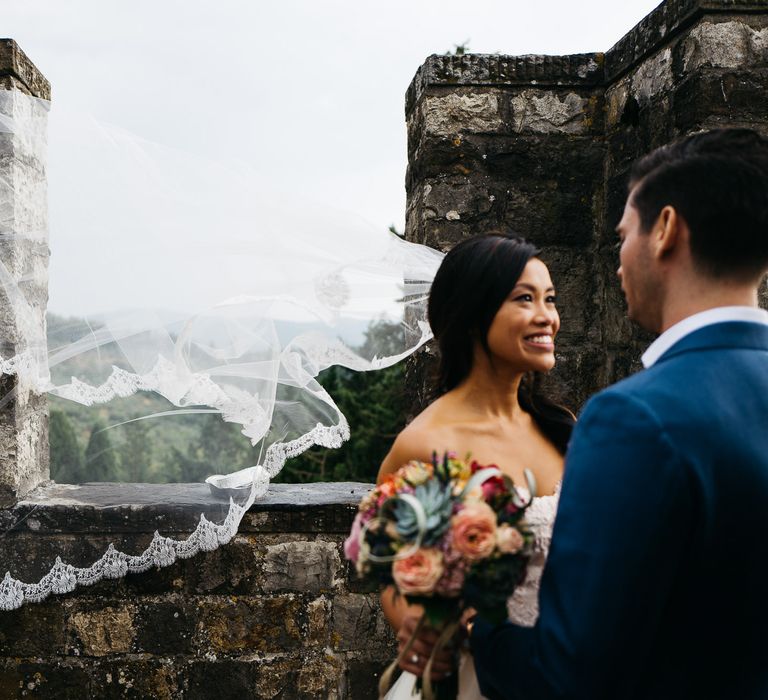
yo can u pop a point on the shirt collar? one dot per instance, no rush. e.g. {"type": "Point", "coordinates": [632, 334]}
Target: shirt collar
{"type": "Point", "coordinates": [693, 323]}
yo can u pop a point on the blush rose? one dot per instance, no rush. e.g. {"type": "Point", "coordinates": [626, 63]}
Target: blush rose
{"type": "Point", "coordinates": [509, 539]}
{"type": "Point", "coordinates": [418, 573]}
{"type": "Point", "coordinates": [473, 531]}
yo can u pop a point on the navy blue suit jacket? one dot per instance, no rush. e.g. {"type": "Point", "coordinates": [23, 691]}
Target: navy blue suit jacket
{"type": "Point", "coordinates": [656, 585]}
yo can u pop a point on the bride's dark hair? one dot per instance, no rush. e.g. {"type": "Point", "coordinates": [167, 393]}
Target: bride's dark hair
{"type": "Point", "coordinates": [473, 281]}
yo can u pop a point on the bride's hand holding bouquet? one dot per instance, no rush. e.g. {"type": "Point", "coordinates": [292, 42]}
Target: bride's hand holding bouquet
{"type": "Point", "coordinates": [449, 535]}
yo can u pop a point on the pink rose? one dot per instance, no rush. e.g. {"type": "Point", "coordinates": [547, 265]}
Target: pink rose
{"type": "Point", "coordinates": [352, 543]}
{"type": "Point", "coordinates": [418, 573]}
{"type": "Point", "coordinates": [508, 539]}
{"type": "Point", "coordinates": [474, 530]}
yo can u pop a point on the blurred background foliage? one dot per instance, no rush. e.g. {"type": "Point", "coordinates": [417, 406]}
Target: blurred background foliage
{"type": "Point", "coordinates": [106, 443]}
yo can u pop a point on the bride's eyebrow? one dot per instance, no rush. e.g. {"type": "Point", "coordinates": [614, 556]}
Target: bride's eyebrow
{"type": "Point", "coordinates": [530, 287]}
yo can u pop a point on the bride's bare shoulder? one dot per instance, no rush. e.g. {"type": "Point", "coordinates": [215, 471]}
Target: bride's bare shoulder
{"type": "Point", "coordinates": [424, 434]}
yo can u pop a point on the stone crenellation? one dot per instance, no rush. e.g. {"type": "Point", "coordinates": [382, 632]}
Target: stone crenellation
{"type": "Point", "coordinates": [664, 23]}
{"type": "Point", "coordinates": [542, 146]}
{"type": "Point", "coordinates": [498, 70]}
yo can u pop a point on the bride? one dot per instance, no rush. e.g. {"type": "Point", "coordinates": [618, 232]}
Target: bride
{"type": "Point", "coordinates": [492, 311]}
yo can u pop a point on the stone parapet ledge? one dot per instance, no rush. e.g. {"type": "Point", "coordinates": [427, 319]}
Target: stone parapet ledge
{"type": "Point", "coordinates": [119, 507]}
{"type": "Point", "coordinates": [277, 612]}
{"type": "Point", "coordinates": [496, 70]}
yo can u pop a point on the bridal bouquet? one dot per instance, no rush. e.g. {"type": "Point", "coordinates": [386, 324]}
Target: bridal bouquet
{"type": "Point", "coordinates": [449, 535]}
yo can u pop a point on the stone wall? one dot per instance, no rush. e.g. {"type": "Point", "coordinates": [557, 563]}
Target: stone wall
{"type": "Point", "coordinates": [542, 144]}
{"type": "Point", "coordinates": [24, 260]}
{"type": "Point", "coordinates": [276, 613]}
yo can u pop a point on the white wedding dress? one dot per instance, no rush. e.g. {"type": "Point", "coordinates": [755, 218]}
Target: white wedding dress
{"type": "Point", "coordinates": [523, 606]}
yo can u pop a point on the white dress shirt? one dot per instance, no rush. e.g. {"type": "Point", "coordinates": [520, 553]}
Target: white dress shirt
{"type": "Point", "coordinates": [693, 323]}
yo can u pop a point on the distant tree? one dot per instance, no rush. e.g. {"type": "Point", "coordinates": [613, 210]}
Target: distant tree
{"type": "Point", "coordinates": [136, 452]}
{"type": "Point", "coordinates": [382, 338]}
{"type": "Point", "coordinates": [218, 448]}
{"type": "Point", "coordinates": [101, 457]}
{"type": "Point", "coordinates": [459, 49]}
{"type": "Point", "coordinates": [67, 459]}
{"type": "Point", "coordinates": [374, 405]}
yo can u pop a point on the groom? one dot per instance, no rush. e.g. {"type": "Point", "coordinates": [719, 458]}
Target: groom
{"type": "Point", "coordinates": [656, 584]}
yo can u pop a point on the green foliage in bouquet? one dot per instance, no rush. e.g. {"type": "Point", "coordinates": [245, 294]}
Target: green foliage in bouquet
{"type": "Point", "coordinates": [486, 586]}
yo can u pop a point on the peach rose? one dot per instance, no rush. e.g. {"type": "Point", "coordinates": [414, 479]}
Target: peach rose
{"type": "Point", "coordinates": [416, 473]}
{"type": "Point", "coordinates": [418, 573]}
{"type": "Point", "coordinates": [474, 530]}
{"type": "Point", "coordinates": [508, 539]}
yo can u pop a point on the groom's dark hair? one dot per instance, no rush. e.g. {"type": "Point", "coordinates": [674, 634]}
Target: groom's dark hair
{"type": "Point", "coordinates": [473, 281]}
{"type": "Point", "coordinates": [717, 181]}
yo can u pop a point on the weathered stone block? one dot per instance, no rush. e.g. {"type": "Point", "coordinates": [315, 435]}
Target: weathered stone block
{"type": "Point", "coordinates": [232, 569]}
{"type": "Point", "coordinates": [57, 680]}
{"type": "Point", "coordinates": [363, 675]}
{"type": "Point", "coordinates": [230, 680]}
{"type": "Point", "coordinates": [652, 77]}
{"type": "Point", "coordinates": [547, 112]}
{"type": "Point", "coordinates": [729, 44]}
{"type": "Point", "coordinates": [102, 631]}
{"type": "Point", "coordinates": [16, 64]}
{"type": "Point", "coordinates": [310, 567]}
{"type": "Point", "coordinates": [33, 630]}
{"type": "Point", "coordinates": [712, 99]}
{"type": "Point", "coordinates": [165, 626]}
{"type": "Point", "coordinates": [318, 621]}
{"type": "Point", "coordinates": [319, 678]}
{"type": "Point", "coordinates": [135, 678]}
{"type": "Point", "coordinates": [448, 115]}
{"type": "Point", "coordinates": [573, 274]}
{"type": "Point", "coordinates": [358, 623]}
{"type": "Point", "coordinates": [248, 625]}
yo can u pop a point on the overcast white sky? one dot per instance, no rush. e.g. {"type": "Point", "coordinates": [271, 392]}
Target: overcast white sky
{"type": "Point", "coordinates": [309, 94]}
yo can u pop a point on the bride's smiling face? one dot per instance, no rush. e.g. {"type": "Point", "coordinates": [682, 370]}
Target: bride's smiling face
{"type": "Point", "coordinates": [522, 333]}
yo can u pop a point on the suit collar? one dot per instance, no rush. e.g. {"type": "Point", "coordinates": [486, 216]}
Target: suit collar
{"type": "Point", "coordinates": [688, 325]}
{"type": "Point", "coordinates": [726, 335]}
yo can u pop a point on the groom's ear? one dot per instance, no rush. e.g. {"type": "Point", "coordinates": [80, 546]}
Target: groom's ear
{"type": "Point", "coordinates": [668, 233]}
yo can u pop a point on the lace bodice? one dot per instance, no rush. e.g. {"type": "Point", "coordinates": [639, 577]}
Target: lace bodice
{"type": "Point", "coordinates": [523, 606]}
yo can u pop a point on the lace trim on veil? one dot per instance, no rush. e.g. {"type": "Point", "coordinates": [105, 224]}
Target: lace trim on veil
{"type": "Point", "coordinates": [162, 551]}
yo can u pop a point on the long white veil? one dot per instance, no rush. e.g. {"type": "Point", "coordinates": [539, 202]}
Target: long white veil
{"type": "Point", "coordinates": [207, 287]}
